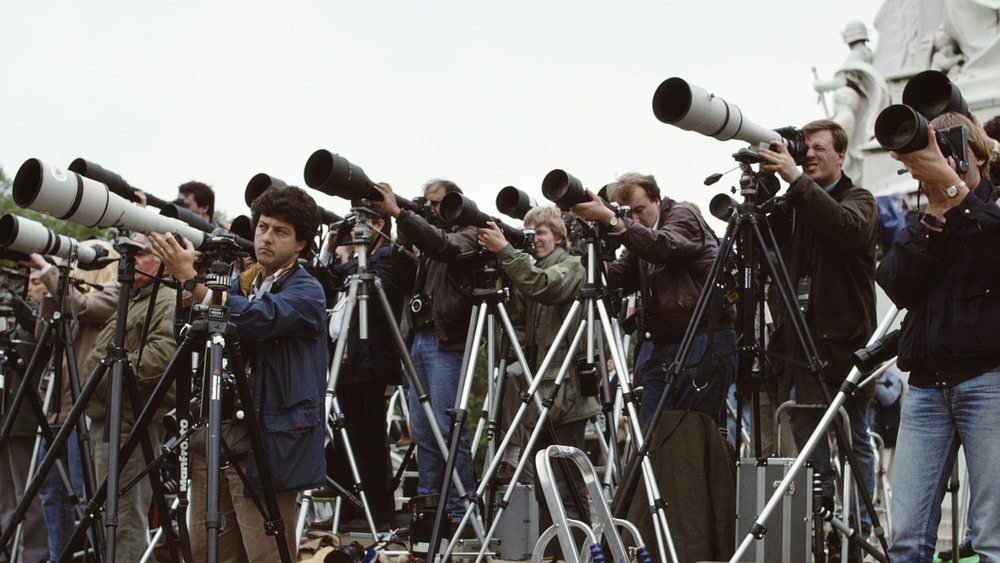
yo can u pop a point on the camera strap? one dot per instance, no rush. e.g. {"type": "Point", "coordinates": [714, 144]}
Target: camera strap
{"type": "Point", "coordinates": [149, 316]}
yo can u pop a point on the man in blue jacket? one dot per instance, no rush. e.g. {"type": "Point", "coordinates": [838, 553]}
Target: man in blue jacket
{"type": "Point", "coordinates": [943, 270]}
{"type": "Point", "coordinates": [279, 311]}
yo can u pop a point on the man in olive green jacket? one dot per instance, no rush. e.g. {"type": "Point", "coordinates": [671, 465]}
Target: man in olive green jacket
{"type": "Point", "coordinates": [549, 284]}
{"type": "Point", "coordinates": [148, 359]}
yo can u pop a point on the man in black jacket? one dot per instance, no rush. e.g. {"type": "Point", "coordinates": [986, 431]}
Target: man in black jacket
{"type": "Point", "coordinates": [943, 270]}
{"type": "Point", "coordinates": [669, 250]}
{"type": "Point", "coordinates": [439, 341]}
{"type": "Point", "coordinates": [827, 237]}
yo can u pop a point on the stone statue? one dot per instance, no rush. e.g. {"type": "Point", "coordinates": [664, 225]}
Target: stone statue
{"type": "Point", "coordinates": [859, 93]}
{"type": "Point", "coordinates": [946, 56]}
{"type": "Point", "coordinates": [974, 25]}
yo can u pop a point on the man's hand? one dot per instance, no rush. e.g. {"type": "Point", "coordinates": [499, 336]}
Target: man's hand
{"type": "Point", "coordinates": [177, 260]}
{"type": "Point", "coordinates": [491, 237]}
{"type": "Point", "coordinates": [780, 162]}
{"type": "Point", "coordinates": [935, 174]}
{"type": "Point", "coordinates": [35, 260]}
{"type": "Point", "coordinates": [388, 203]}
{"type": "Point", "coordinates": [593, 210]}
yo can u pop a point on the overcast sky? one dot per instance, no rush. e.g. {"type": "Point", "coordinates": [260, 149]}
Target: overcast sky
{"type": "Point", "coordinates": [486, 94]}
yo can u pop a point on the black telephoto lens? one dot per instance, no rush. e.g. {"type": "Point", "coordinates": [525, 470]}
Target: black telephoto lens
{"type": "Point", "coordinates": [563, 189]}
{"type": "Point", "coordinates": [932, 93]}
{"type": "Point", "coordinates": [900, 128]}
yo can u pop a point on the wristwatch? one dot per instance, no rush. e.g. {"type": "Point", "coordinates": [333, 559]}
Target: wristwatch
{"type": "Point", "coordinates": [952, 191]}
{"type": "Point", "coordinates": [613, 222]}
{"type": "Point", "coordinates": [995, 152]}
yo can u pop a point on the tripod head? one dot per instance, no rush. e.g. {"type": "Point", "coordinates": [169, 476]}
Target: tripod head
{"type": "Point", "coordinates": [486, 271]}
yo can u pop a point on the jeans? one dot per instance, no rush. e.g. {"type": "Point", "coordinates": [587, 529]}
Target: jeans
{"type": "Point", "coordinates": [654, 359]}
{"type": "Point", "coordinates": [804, 422]}
{"type": "Point", "coordinates": [934, 422]}
{"type": "Point", "coordinates": [60, 515]}
{"type": "Point", "coordinates": [439, 373]}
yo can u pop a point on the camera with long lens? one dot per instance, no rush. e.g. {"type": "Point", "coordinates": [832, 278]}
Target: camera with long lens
{"type": "Point", "coordinates": [114, 182]}
{"type": "Point", "coordinates": [334, 175]}
{"type": "Point", "coordinates": [903, 127]}
{"type": "Point", "coordinates": [31, 237]}
{"type": "Point", "coordinates": [566, 190]}
{"type": "Point", "coordinates": [682, 104]}
{"type": "Point", "coordinates": [459, 210]}
{"type": "Point", "coordinates": [514, 203]}
{"type": "Point", "coordinates": [67, 195]}
{"type": "Point", "coordinates": [261, 182]}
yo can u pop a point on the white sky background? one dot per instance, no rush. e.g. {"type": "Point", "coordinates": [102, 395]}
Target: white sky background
{"type": "Point", "coordinates": [486, 94]}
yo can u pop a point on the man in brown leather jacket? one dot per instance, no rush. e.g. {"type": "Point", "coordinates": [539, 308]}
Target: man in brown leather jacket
{"type": "Point", "coordinates": [668, 252]}
{"type": "Point", "coordinates": [827, 236]}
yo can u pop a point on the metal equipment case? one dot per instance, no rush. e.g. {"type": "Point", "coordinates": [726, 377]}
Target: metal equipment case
{"type": "Point", "coordinates": [788, 537]}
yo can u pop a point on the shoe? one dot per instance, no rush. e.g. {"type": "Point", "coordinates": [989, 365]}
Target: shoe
{"type": "Point", "coordinates": [404, 442]}
{"type": "Point", "coordinates": [505, 473]}
{"type": "Point", "coordinates": [964, 550]}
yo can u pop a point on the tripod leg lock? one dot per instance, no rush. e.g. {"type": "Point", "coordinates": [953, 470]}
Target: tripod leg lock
{"type": "Point", "coordinates": [758, 530]}
{"type": "Point", "coordinates": [849, 387]}
{"type": "Point", "coordinates": [658, 504]}
{"type": "Point", "coordinates": [215, 520]}
{"type": "Point", "coordinates": [274, 527]}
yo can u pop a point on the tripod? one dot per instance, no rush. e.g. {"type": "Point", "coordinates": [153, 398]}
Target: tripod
{"type": "Point", "coordinates": [591, 304]}
{"type": "Point", "coordinates": [121, 376]}
{"type": "Point", "coordinates": [361, 285]}
{"type": "Point", "coordinates": [216, 329]}
{"type": "Point", "coordinates": [744, 227]}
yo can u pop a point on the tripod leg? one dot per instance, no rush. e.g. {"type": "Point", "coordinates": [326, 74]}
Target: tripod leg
{"type": "Point", "coordinates": [421, 397]}
{"type": "Point", "coordinates": [274, 526]}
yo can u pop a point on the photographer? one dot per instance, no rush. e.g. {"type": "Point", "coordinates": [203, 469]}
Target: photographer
{"type": "Point", "coordinates": [439, 341]}
{"type": "Point", "coordinates": [279, 312]}
{"type": "Point", "coordinates": [942, 269]}
{"type": "Point", "coordinates": [669, 250]}
{"type": "Point", "coordinates": [826, 234]}
{"type": "Point", "coordinates": [549, 284]}
{"type": "Point", "coordinates": [199, 199]}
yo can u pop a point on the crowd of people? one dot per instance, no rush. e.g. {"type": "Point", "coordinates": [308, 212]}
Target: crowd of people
{"type": "Point", "coordinates": [939, 270]}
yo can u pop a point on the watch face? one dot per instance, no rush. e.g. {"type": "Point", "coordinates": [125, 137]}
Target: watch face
{"type": "Point", "coordinates": [951, 191]}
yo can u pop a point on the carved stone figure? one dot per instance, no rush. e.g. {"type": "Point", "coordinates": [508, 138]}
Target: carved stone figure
{"type": "Point", "coordinates": [859, 92]}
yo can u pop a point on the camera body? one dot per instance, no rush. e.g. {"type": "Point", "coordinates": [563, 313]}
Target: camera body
{"type": "Point", "coordinates": [421, 310]}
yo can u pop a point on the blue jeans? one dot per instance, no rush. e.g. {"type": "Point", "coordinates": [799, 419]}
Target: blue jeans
{"type": "Point", "coordinates": [654, 359]}
{"type": "Point", "coordinates": [60, 515]}
{"type": "Point", "coordinates": [439, 373]}
{"type": "Point", "coordinates": [804, 422]}
{"type": "Point", "coordinates": [934, 422]}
